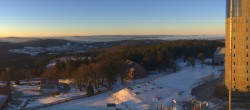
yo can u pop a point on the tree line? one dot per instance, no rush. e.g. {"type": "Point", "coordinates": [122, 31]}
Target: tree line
{"type": "Point", "coordinates": [107, 66]}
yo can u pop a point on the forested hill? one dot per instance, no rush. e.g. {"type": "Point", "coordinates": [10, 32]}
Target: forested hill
{"type": "Point", "coordinates": [163, 55]}
{"type": "Point", "coordinates": [160, 55]}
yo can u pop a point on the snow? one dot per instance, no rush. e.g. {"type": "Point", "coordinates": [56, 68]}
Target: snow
{"type": "Point", "coordinates": [164, 91]}
{"type": "Point", "coordinates": [184, 79]}
{"type": "Point", "coordinates": [51, 64]}
{"type": "Point", "coordinates": [98, 102]}
{"type": "Point", "coordinates": [46, 100]}
{"type": "Point", "coordinates": [2, 97]}
{"type": "Point", "coordinates": [64, 59]}
{"type": "Point", "coordinates": [2, 84]}
{"type": "Point", "coordinates": [181, 63]}
{"type": "Point", "coordinates": [27, 90]}
{"type": "Point", "coordinates": [25, 87]}
{"type": "Point", "coordinates": [49, 99]}
{"type": "Point", "coordinates": [128, 98]}
{"type": "Point", "coordinates": [33, 51]}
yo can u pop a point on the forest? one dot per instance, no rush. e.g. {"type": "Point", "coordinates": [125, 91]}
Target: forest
{"type": "Point", "coordinates": [107, 65]}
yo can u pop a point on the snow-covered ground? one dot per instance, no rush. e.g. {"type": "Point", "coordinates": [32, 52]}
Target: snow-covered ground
{"type": "Point", "coordinates": [27, 90]}
{"type": "Point", "coordinates": [2, 83]}
{"type": "Point", "coordinates": [164, 91]}
{"type": "Point", "coordinates": [98, 102]}
{"type": "Point", "coordinates": [50, 99]}
{"type": "Point", "coordinates": [167, 91]}
{"type": "Point", "coordinates": [186, 78]}
{"type": "Point", "coordinates": [33, 51]}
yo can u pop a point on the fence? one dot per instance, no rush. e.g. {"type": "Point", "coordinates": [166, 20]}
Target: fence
{"type": "Point", "coordinates": [61, 101]}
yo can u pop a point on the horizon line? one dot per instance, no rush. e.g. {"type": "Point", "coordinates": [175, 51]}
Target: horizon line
{"type": "Point", "coordinates": [114, 35]}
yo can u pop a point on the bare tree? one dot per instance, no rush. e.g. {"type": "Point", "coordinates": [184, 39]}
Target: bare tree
{"type": "Point", "coordinates": [202, 58]}
{"type": "Point", "coordinates": [191, 60]}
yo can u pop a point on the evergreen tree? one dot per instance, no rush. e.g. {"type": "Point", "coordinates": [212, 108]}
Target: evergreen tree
{"type": "Point", "coordinates": [90, 90]}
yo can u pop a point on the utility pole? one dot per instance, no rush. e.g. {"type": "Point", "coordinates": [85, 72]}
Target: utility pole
{"type": "Point", "coordinates": [230, 35]}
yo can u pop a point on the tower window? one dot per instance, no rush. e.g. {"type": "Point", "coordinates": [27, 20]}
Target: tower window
{"type": "Point", "coordinates": [234, 55]}
{"type": "Point", "coordinates": [234, 71]}
{"type": "Point", "coordinates": [247, 55]}
{"type": "Point", "coordinates": [247, 63]}
{"type": "Point", "coordinates": [234, 79]}
{"type": "Point", "coordinates": [246, 38]}
{"type": "Point", "coordinates": [234, 46]}
{"type": "Point", "coordinates": [234, 63]}
{"type": "Point", "coordinates": [247, 46]}
{"type": "Point", "coordinates": [247, 79]}
{"type": "Point", "coordinates": [246, 29]}
{"type": "Point", "coordinates": [246, 20]}
{"type": "Point", "coordinates": [247, 71]}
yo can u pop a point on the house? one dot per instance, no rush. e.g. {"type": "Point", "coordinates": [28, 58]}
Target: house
{"type": "Point", "coordinates": [5, 96]}
{"type": "Point", "coordinates": [219, 55]}
{"type": "Point", "coordinates": [136, 71]}
{"type": "Point", "coordinates": [49, 85]}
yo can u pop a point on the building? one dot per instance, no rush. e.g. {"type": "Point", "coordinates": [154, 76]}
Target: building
{"type": "Point", "coordinates": [49, 85]}
{"type": "Point", "coordinates": [5, 97]}
{"type": "Point", "coordinates": [219, 55]}
{"type": "Point", "coordinates": [136, 71]}
{"type": "Point", "coordinates": [237, 55]}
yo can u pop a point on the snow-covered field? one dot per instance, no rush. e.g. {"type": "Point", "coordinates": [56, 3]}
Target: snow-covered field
{"type": "Point", "coordinates": [98, 102]}
{"type": "Point", "coordinates": [27, 90]}
{"type": "Point", "coordinates": [50, 99]}
{"type": "Point", "coordinates": [186, 78]}
{"type": "Point", "coordinates": [167, 91]}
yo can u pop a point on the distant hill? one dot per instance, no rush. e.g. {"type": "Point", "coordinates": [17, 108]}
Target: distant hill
{"type": "Point", "coordinates": [16, 39]}
{"type": "Point", "coordinates": [110, 38]}
{"type": "Point", "coordinates": [45, 42]}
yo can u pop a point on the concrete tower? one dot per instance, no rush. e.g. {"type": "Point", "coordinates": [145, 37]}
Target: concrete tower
{"type": "Point", "coordinates": [237, 59]}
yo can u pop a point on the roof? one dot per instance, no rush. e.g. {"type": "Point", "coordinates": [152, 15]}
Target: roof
{"type": "Point", "coordinates": [220, 51]}
{"type": "Point", "coordinates": [138, 70]}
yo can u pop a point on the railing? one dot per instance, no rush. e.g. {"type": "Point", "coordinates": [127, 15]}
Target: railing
{"type": "Point", "coordinates": [61, 101]}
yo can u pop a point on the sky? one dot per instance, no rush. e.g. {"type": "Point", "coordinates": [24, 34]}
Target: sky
{"type": "Point", "coordinates": [45, 18]}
